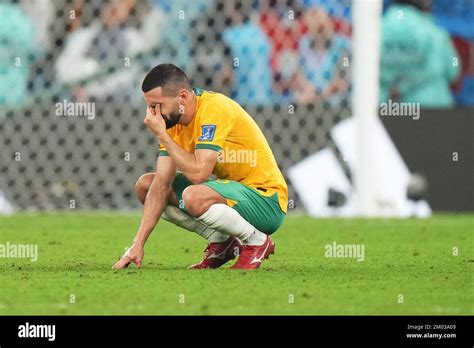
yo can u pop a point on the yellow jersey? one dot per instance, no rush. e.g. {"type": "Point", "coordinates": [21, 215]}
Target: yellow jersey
{"type": "Point", "coordinates": [222, 125]}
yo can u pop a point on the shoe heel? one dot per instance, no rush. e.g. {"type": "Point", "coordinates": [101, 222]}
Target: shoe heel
{"type": "Point", "coordinates": [271, 251]}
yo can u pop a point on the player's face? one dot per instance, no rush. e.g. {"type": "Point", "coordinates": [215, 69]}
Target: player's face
{"type": "Point", "coordinates": [169, 107]}
{"type": "Point", "coordinates": [171, 112]}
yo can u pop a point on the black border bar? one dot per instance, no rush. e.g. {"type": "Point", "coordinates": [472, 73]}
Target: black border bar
{"type": "Point", "coordinates": [259, 330]}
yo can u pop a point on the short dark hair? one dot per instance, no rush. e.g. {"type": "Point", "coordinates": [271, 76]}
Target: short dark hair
{"type": "Point", "coordinates": [168, 76]}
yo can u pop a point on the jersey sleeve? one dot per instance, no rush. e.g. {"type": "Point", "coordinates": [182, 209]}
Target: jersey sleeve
{"type": "Point", "coordinates": [214, 125]}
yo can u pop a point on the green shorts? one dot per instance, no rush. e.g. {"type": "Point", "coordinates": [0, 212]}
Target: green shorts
{"type": "Point", "coordinates": [263, 212]}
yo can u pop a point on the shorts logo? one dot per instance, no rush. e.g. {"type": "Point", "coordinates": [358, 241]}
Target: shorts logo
{"type": "Point", "coordinates": [207, 132]}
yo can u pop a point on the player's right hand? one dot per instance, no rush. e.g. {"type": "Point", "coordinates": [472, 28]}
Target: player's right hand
{"type": "Point", "coordinates": [155, 121]}
{"type": "Point", "coordinates": [133, 254]}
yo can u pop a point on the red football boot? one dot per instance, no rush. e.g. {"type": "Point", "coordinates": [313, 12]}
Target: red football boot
{"type": "Point", "coordinates": [251, 256]}
{"type": "Point", "coordinates": [216, 254]}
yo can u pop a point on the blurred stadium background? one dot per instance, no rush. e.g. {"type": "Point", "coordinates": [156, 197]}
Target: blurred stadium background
{"type": "Point", "coordinates": [289, 63]}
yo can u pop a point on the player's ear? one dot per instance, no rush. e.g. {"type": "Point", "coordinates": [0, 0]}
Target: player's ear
{"type": "Point", "coordinates": [183, 95]}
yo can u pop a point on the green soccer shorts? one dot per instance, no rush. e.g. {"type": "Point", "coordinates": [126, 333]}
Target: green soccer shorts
{"type": "Point", "coordinates": [263, 212]}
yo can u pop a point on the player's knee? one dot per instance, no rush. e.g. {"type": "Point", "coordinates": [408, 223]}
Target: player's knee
{"type": "Point", "coordinates": [195, 200]}
{"type": "Point", "coordinates": [143, 184]}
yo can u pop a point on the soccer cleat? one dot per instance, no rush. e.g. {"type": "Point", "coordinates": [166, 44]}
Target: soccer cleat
{"type": "Point", "coordinates": [251, 256]}
{"type": "Point", "coordinates": [216, 254]}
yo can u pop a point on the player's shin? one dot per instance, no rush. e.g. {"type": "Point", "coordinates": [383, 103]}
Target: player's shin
{"type": "Point", "coordinates": [181, 219]}
{"type": "Point", "coordinates": [226, 220]}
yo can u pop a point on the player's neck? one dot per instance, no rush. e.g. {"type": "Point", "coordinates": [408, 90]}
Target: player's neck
{"type": "Point", "coordinates": [190, 111]}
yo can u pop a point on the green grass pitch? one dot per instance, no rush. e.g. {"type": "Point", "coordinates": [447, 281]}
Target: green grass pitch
{"type": "Point", "coordinates": [412, 258]}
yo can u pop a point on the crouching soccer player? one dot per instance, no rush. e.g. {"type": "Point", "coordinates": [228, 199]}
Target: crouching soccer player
{"type": "Point", "coordinates": [203, 133]}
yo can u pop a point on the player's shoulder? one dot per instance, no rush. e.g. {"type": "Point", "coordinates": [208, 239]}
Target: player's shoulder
{"type": "Point", "coordinates": [211, 96]}
{"type": "Point", "coordinates": [210, 101]}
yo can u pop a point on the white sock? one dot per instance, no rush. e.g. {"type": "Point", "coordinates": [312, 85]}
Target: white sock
{"type": "Point", "coordinates": [226, 220]}
{"type": "Point", "coordinates": [256, 238]}
{"type": "Point", "coordinates": [186, 221]}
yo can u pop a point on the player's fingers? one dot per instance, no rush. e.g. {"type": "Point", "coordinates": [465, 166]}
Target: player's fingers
{"type": "Point", "coordinates": [149, 113]}
{"type": "Point", "coordinates": [152, 111]}
{"type": "Point", "coordinates": [155, 112]}
{"type": "Point", "coordinates": [123, 262]}
{"type": "Point", "coordinates": [115, 266]}
{"type": "Point", "coordinates": [138, 263]}
{"type": "Point", "coordinates": [148, 119]}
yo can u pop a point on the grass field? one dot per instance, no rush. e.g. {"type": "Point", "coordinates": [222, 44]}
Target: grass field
{"type": "Point", "coordinates": [412, 258]}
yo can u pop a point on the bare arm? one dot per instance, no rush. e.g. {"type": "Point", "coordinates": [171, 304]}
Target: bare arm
{"type": "Point", "coordinates": [197, 166]}
{"type": "Point", "coordinates": [155, 202]}
{"type": "Point", "coordinates": [156, 198]}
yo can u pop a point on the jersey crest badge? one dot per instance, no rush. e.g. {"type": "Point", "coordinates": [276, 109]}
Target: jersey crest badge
{"type": "Point", "coordinates": [207, 132]}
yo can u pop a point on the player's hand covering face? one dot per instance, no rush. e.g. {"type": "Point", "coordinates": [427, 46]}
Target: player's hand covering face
{"type": "Point", "coordinates": [157, 122]}
{"type": "Point", "coordinates": [171, 118]}
{"type": "Point", "coordinates": [154, 120]}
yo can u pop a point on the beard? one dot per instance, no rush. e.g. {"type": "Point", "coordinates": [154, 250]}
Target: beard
{"type": "Point", "coordinates": [172, 120]}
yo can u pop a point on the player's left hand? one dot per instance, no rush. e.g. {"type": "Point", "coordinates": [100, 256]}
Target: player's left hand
{"type": "Point", "coordinates": [154, 121]}
{"type": "Point", "coordinates": [133, 254]}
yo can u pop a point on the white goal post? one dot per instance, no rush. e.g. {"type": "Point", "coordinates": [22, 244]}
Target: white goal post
{"type": "Point", "coordinates": [366, 59]}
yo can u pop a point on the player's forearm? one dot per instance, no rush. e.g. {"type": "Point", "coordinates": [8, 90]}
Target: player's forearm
{"type": "Point", "coordinates": [155, 203]}
{"type": "Point", "coordinates": [185, 161]}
